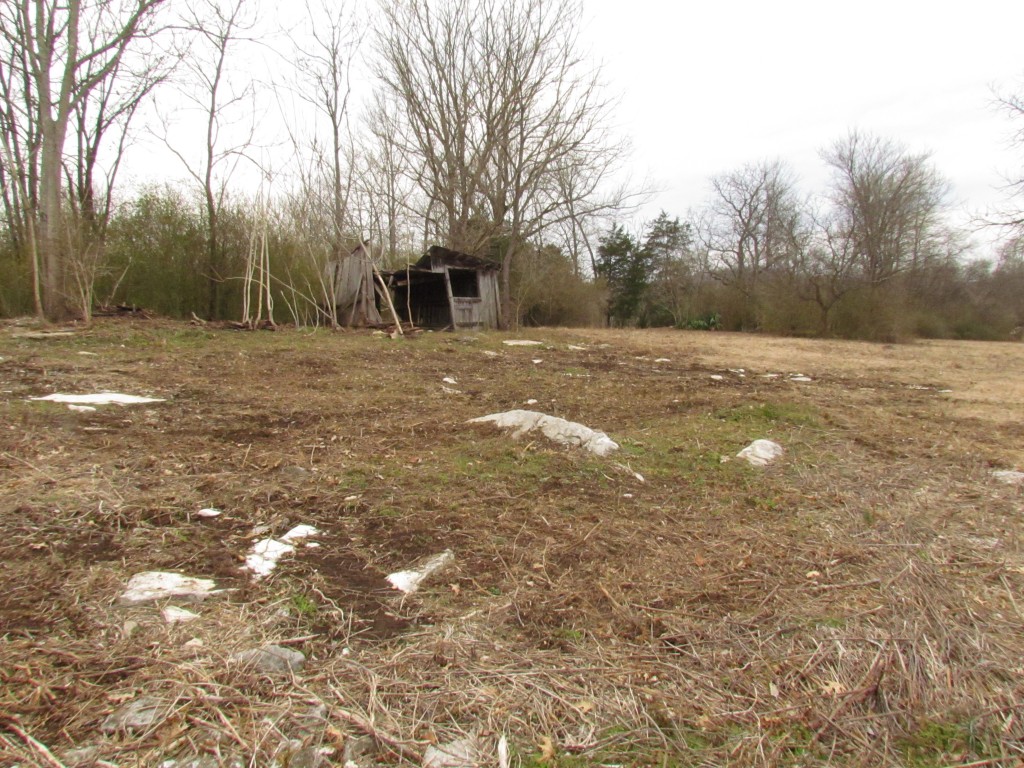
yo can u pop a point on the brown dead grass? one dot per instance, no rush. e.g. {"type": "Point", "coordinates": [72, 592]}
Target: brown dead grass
{"type": "Point", "coordinates": [858, 603]}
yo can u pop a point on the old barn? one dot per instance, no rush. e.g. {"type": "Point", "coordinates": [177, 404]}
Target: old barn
{"type": "Point", "coordinates": [447, 289]}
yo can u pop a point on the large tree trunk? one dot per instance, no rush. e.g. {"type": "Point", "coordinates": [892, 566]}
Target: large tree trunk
{"type": "Point", "coordinates": [52, 242]}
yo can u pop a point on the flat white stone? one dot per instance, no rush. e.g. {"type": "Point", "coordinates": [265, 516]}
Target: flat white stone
{"type": "Point", "coordinates": [409, 581]}
{"type": "Point", "coordinates": [461, 753]}
{"type": "Point", "coordinates": [209, 512]}
{"type": "Point", "coordinates": [265, 553]}
{"type": "Point", "coordinates": [1009, 476]}
{"type": "Point", "coordinates": [761, 453]}
{"type": "Point", "coordinates": [262, 560]}
{"type": "Point", "coordinates": [174, 615]}
{"type": "Point", "coordinates": [103, 398]}
{"type": "Point", "coordinates": [522, 343]}
{"type": "Point", "coordinates": [564, 432]}
{"type": "Point", "coordinates": [156, 585]}
{"type": "Point", "coordinates": [81, 408]}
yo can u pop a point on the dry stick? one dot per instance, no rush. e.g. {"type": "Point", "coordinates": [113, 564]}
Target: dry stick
{"type": "Point", "coordinates": [366, 726]}
{"type": "Point", "coordinates": [11, 724]}
{"type": "Point", "coordinates": [387, 298]}
{"type": "Point", "coordinates": [30, 465]}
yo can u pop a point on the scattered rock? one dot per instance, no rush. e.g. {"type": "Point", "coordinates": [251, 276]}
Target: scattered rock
{"type": "Point", "coordinates": [309, 757]}
{"type": "Point", "coordinates": [143, 712]}
{"type": "Point", "coordinates": [173, 615]}
{"type": "Point", "coordinates": [263, 557]}
{"type": "Point", "coordinates": [209, 512]}
{"type": "Point", "coordinates": [204, 761]}
{"type": "Point", "coordinates": [717, 377]}
{"type": "Point", "coordinates": [559, 430]}
{"type": "Point", "coordinates": [358, 748]}
{"type": "Point", "coordinates": [522, 343]}
{"type": "Point", "coordinates": [461, 753]}
{"type": "Point", "coordinates": [272, 659]}
{"type": "Point", "coordinates": [1009, 476]}
{"type": "Point", "coordinates": [409, 581]}
{"type": "Point", "coordinates": [801, 378]}
{"type": "Point", "coordinates": [761, 453]}
{"type": "Point", "coordinates": [83, 757]}
{"type": "Point", "coordinates": [103, 398]}
{"type": "Point", "coordinates": [81, 408]}
{"type": "Point", "coordinates": [157, 585]}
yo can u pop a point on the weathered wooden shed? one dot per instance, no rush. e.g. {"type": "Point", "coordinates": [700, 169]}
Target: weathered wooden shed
{"type": "Point", "coordinates": [446, 288]}
{"type": "Point", "coordinates": [350, 281]}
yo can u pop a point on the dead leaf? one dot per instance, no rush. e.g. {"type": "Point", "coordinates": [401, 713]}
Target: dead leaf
{"type": "Point", "coordinates": [586, 706]}
{"type": "Point", "coordinates": [547, 749]}
{"type": "Point", "coordinates": [833, 688]}
{"type": "Point", "coordinates": [773, 689]}
{"type": "Point", "coordinates": [699, 561]}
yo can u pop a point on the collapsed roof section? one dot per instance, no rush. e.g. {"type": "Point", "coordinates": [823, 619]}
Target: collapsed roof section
{"type": "Point", "coordinates": [448, 289]}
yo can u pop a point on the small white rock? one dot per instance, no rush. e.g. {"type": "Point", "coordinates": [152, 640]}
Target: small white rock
{"type": "Point", "coordinates": [761, 453]}
{"type": "Point", "coordinates": [156, 585]}
{"type": "Point", "coordinates": [174, 615]}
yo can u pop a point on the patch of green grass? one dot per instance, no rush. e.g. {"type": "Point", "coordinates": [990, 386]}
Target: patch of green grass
{"type": "Point", "coordinates": [770, 413]}
{"type": "Point", "coordinates": [568, 634]}
{"type": "Point", "coordinates": [303, 605]}
{"type": "Point", "coordinates": [931, 744]}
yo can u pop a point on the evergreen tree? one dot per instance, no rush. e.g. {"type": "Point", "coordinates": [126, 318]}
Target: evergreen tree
{"type": "Point", "coordinates": [623, 265]}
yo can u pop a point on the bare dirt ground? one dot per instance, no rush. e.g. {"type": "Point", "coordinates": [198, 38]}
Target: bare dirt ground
{"type": "Point", "coordinates": [859, 602]}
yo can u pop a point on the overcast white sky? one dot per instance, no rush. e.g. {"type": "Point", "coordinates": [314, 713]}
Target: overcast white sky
{"type": "Point", "coordinates": [708, 86]}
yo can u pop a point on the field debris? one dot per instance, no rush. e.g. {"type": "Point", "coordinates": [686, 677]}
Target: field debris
{"type": "Point", "coordinates": [761, 453]}
{"type": "Point", "coordinates": [102, 398]}
{"type": "Point", "coordinates": [409, 581]}
{"type": "Point", "coordinates": [1009, 476]}
{"type": "Point", "coordinates": [826, 610]}
{"type": "Point", "coordinates": [272, 659]}
{"type": "Point", "coordinates": [138, 714]}
{"type": "Point", "coordinates": [81, 408]}
{"type": "Point", "coordinates": [262, 560]}
{"type": "Point", "coordinates": [159, 585]}
{"type": "Point", "coordinates": [522, 343]}
{"type": "Point", "coordinates": [800, 378]}
{"type": "Point", "coordinates": [174, 615]}
{"type": "Point", "coordinates": [209, 512]}
{"type": "Point", "coordinates": [461, 753]}
{"type": "Point", "coordinates": [569, 433]}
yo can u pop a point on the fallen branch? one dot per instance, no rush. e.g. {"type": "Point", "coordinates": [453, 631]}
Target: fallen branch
{"type": "Point", "coordinates": [370, 729]}
{"type": "Point", "coordinates": [11, 724]}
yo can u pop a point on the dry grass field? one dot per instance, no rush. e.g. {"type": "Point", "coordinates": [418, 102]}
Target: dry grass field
{"type": "Point", "coordinates": [858, 602]}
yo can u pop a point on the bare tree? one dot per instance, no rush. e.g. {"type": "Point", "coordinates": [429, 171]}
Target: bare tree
{"type": "Point", "coordinates": [497, 105]}
{"type": "Point", "coordinates": [889, 202]}
{"type": "Point", "coordinates": [1011, 216]}
{"type": "Point", "coordinates": [323, 63]}
{"type": "Point", "coordinates": [217, 29]}
{"type": "Point", "coordinates": [384, 185]}
{"type": "Point", "coordinates": [753, 224]}
{"type": "Point", "coordinates": [56, 54]}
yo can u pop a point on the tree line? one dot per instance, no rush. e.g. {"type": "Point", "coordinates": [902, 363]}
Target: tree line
{"type": "Point", "coordinates": [486, 130]}
{"type": "Point", "coordinates": [871, 257]}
